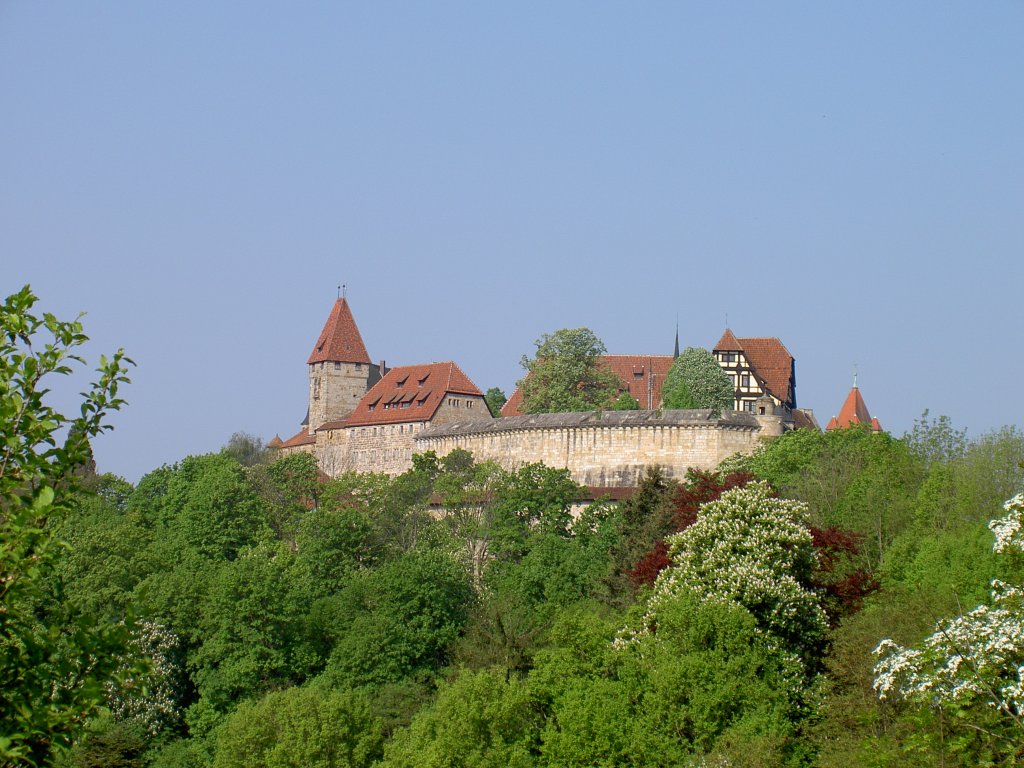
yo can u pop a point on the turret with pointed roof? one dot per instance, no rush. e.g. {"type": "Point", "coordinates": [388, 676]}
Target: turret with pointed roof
{"type": "Point", "coordinates": [340, 371]}
{"type": "Point", "coordinates": [853, 413]}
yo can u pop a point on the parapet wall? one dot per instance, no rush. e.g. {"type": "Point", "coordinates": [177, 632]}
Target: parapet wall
{"type": "Point", "coordinates": [604, 449]}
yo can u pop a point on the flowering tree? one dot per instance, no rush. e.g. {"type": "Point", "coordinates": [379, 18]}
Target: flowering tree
{"type": "Point", "coordinates": [973, 659]}
{"type": "Point", "coordinates": [752, 550]}
{"type": "Point", "coordinates": [696, 380]}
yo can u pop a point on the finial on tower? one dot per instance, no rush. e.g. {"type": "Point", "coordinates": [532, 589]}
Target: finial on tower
{"type": "Point", "coordinates": [854, 375]}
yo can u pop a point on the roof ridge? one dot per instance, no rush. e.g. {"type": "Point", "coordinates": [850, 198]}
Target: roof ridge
{"type": "Point", "coordinates": [340, 340]}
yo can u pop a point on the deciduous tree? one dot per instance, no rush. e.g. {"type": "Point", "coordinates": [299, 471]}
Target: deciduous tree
{"type": "Point", "coordinates": [54, 659]}
{"type": "Point", "coordinates": [565, 374]}
{"type": "Point", "coordinates": [696, 380]}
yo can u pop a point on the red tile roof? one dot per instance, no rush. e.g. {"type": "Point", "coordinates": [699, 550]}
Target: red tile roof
{"type": "Point", "coordinates": [339, 340]}
{"type": "Point", "coordinates": [770, 360]}
{"type": "Point", "coordinates": [773, 364]}
{"type": "Point", "coordinates": [853, 412]}
{"type": "Point", "coordinates": [410, 393]}
{"type": "Point", "coordinates": [275, 442]}
{"type": "Point", "coordinates": [728, 343]}
{"type": "Point", "coordinates": [634, 371]}
{"type": "Point", "coordinates": [302, 438]}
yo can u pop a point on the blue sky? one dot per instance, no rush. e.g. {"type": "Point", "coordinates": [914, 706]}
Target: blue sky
{"type": "Point", "coordinates": [199, 177]}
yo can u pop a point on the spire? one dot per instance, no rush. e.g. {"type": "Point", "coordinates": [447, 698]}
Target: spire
{"type": "Point", "coordinates": [675, 352]}
{"type": "Point", "coordinates": [853, 412]}
{"type": "Point", "coordinates": [340, 340]}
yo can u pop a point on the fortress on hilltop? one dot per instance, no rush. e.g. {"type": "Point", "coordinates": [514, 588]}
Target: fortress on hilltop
{"type": "Point", "coordinates": [365, 417]}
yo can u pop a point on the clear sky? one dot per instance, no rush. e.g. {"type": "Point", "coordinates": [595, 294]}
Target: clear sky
{"type": "Point", "coordinates": [199, 177]}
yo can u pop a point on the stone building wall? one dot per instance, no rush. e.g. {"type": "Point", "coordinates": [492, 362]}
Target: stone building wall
{"type": "Point", "coordinates": [335, 389]}
{"type": "Point", "coordinates": [603, 449]}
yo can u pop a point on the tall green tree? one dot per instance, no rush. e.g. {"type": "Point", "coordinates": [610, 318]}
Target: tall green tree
{"type": "Point", "coordinates": [696, 380]}
{"type": "Point", "coordinates": [54, 658]}
{"type": "Point", "coordinates": [495, 400]}
{"type": "Point", "coordinates": [566, 374]}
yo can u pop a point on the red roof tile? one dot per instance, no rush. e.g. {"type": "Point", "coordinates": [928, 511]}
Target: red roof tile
{"type": "Point", "coordinates": [634, 371]}
{"type": "Point", "coordinates": [275, 442]}
{"type": "Point", "coordinates": [339, 340]}
{"type": "Point", "coordinates": [302, 438]}
{"type": "Point", "coordinates": [410, 393]}
{"type": "Point", "coordinates": [853, 412]}
{"type": "Point", "coordinates": [728, 343]}
{"type": "Point", "coordinates": [773, 364]}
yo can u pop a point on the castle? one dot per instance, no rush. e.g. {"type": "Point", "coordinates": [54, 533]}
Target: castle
{"type": "Point", "coordinates": [365, 417]}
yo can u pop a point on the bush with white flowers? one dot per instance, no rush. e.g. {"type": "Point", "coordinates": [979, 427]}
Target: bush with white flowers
{"type": "Point", "coordinates": [148, 693]}
{"type": "Point", "coordinates": [753, 550]}
{"type": "Point", "coordinates": [974, 658]}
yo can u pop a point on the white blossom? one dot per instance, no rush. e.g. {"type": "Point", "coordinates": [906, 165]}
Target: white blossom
{"type": "Point", "coordinates": [146, 689]}
{"type": "Point", "coordinates": [747, 549]}
{"type": "Point", "coordinates": [978, 656]}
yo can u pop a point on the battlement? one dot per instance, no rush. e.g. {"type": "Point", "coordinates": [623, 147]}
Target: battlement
{"type": "Point", "coordinates": [604, 448]}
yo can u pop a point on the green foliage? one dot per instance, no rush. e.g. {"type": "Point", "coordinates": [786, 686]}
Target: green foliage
{"type": "Point", "coordinates": [644, 518]}
{"type": "Point", "coordinates": [252, 628]}
{"type": "Point", "coordinates": [850, 479]}
{"type": "Point", "coordinates": [110, 744]}
{"type": "Point", "coordinates": [566, 374]}
{"type": "Point", "coordinates": [105, 558]}
{"type": "Point", "coordinates": [246, 449]}
{"type": "Point", "coordinates": [705, 681]}
{"type": "Point", "coordinates": [625, 402]}
{"type": "Point", "coordinates": [696, 380]}
{"type": "Point", "coordinates": [397, 620]}
{"type": "Point", "coordinates": [495, 400]}
{"type": "Point", "coordinates": [754, 551]}
{"type": "Point", "coordinates": [53, 656]}
{"type": "Point", "coordinates": [212, 507]}
{"type": "Point", "coordinates": [288, 487]}
{"type": "Point", "coordinates": [308, 727]}
{"type": "Point", "coordinates": [480, 720]}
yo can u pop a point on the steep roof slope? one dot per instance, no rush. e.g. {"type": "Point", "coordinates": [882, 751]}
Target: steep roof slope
{"type": "Point", "coordinates": [770, 360]}
{"type": "Point", "coordinates": [410, 393]}
{"type": "Point", "coordinates": [853, 412]}
{"type": "Point", "coordinates": [340, 340]}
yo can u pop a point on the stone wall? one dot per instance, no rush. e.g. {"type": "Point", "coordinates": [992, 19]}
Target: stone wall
{"type": "Point", "coordinates": [605, 449]}
{"type": "Point", "coordinates": [336, 388]}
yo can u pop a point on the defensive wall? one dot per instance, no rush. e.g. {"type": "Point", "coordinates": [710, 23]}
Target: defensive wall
{"type": "Point", "coordinates": [606, 448]}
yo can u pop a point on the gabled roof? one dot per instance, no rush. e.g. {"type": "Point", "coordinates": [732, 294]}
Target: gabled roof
{"type": "Point", "coordinates": [634, 371]}
{"type": "Point", "coordinates": [853, 412]}
{"type": "Point", "coordinates": [770, 360]}
{"type": "Point", "coordinates": [728, 343]}
{"type": "Point", "coordinates": [340, 340]}
{"type": "Point", "coordinates": [773, 364]}
{"type": "Point", "coordinates": [410, 393]}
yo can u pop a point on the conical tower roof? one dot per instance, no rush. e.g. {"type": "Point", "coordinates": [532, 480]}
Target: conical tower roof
{"type": "Point", "coordinates": [340, 340]}
{"type": "Point", "coordinates": [854, 411]}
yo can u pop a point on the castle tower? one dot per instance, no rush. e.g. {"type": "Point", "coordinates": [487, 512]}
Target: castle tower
{"type": "Point", "coordinates": [853, 413]}
{"type": "Point", "coordinates": [340, 371]}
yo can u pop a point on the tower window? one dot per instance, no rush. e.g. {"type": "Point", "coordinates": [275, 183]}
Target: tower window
{"type": "Point", "coordinates": [337, 365]}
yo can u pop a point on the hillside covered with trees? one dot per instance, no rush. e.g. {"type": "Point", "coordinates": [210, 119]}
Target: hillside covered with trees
{"type": "Point", "coordinates": [836, 599]}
